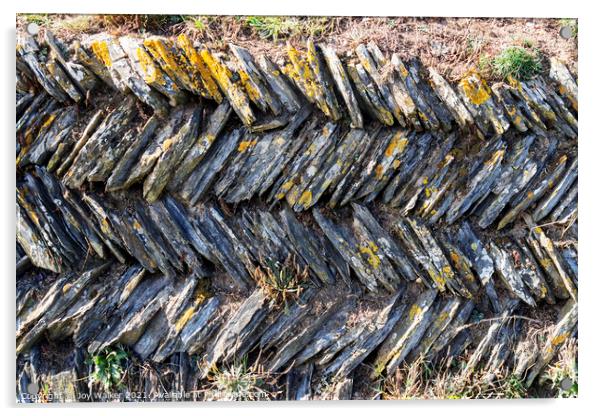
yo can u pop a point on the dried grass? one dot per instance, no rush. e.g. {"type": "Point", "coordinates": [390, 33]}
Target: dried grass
{"type": "Point", "coordinates": [450, 45]}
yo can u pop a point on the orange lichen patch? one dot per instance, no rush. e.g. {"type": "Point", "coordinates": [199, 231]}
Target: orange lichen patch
{"type": "Point", "coordinates": [137, 226]}
{"type": "Point", "coordinates": [67, 287]}
{"type": "Point", "coordinates": [396, 145]}
{"type": "Point", "coordinates": [559, 339]}
{"type": "Point", "coordinates": [306, 199]}
{"type": "Point", "coordinates": [543, 291]}
{"type": "Point", "coordinates": [289, 71]}
{"type": "Point", "coordinates": [101, 50]}
{"type": "Point", "coordinates": [105, 226]}
{"type": "Point", "coordinates": [369, 249]}
{"type": "Point", "coordinates": [306, 78]}
{"type": "Point", "coordinates": [197, 63]}
{"type": "Point", "coordinates": [475, 88]}
{"type": "Point", "coordinates": [379, 171]}
{"type": "Point", "coordinates": [245, 144]}
{"type": "Point", "coordinates": [455, 258]}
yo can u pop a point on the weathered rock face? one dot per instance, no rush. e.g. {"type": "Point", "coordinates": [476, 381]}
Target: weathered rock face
{"type": "Point", "coordinates": [156, 179]}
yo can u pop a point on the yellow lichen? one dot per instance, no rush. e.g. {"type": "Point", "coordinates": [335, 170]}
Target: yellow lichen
{"type": "Point", "coordinates": [197, 63]}
{"type": "Point", "coordinates": [252, 91]}
{"type": "Point", "coordinates": [415, 310]}
{"type": "Point", "coordinates": [306, 199]}
{"type": "Point", "coordinates": [288, 185]}
{"type": "Point", "coordinates": [101, 50]}
{"type": "Point", "coordinates": [167, 144]}
{"type": "Point", "coordinates": [447, 271]}
{"type": "Point", "coordinates": [222, 76]}
{"type": "Point", "coordinates": [151, 72]}
{"type": "Point", "coordinates": [163, 54]}
{"type": "Point", "coordinates": [475, 88]}
{"type": "Point", "coordinates": [369, 249]}
{"type": "Point", "coordinates": [48, 122]}
{"type": "Point", "coordinates": [497, 156]}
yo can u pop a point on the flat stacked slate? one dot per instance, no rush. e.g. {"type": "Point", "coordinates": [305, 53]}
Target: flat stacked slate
{"type": "Point", "coordinates": [156, 176]}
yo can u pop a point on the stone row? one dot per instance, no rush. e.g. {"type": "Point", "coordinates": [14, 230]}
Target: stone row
{"type": "Point", "coordinates": [352, 90]}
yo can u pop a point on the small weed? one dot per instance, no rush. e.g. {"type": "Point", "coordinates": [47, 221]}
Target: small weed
{"type": "Point", "coordinates": [273, 27]}
{"type": "Point", "coordinates": [282, 281]}
{"type": "Point", "coordinates": [563, 374]}
{"type": "Point", "coordinates": [239, 382]}
{"type": "Point", "coordinates": [473, 44]}
{"type": "Point", "coordinates": [198, 23]}
{"type": "Point", "coordinates": [40, 19]}
{"type": "Point", "coordinates": [317, 26]}
{"type": "Point", "coordinates": [513, 387]}
{"type": "Point", "coordinates": [109, 367]}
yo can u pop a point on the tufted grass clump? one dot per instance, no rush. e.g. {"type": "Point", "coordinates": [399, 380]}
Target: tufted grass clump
{"type": "Point", "coordinates": [517, 62]}
{"type": "Point", "coordinates": [239, 382]}
{"type": "Point", "coordinates": [282, 281]}
{"type": "Point", "coordinates": [273, 26]}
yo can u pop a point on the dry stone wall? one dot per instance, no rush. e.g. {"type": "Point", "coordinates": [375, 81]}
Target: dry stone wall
{"type": "Point", "coordinates": [155, 177]}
